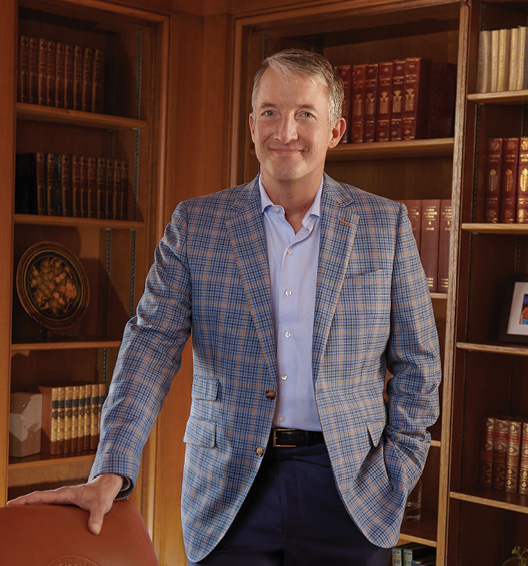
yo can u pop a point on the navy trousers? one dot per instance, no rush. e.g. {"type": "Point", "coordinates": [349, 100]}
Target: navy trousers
{"type": "Point", "coordinates": [294, 516]}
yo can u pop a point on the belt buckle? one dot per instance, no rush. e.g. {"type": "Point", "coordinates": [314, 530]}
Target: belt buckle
{"type": "Point", "coordinates": [275, 443]}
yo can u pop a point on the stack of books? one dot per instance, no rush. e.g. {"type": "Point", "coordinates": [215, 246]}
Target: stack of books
{"type": "Point", "coordinates": [404, 99]}
{"type": "Point", "coordinates": [504, 454]}
{"type": "Point", "coordinates": [503, 60]}
{"type": "Point", "coordinates": [431, 224]}
{"type": "Point", "coordinates": [71, 185]}
{"type": "Point", "coordinates": [413, 554]}
{"type": "Point", "coordinates": [506, 180]}
{"type": "Point", "coordinates": [57, 74]}
{"type": "Point", "coordinates": [71, 417]}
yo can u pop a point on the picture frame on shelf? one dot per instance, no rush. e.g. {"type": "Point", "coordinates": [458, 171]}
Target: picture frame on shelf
{"type": "Point", "coordinates": [514, 317]}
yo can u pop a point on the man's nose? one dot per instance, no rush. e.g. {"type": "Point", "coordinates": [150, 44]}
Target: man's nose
{"type": "Point", "coordinates": [287, 130]}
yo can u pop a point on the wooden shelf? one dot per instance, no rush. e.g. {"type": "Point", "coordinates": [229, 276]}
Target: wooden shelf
{"type": "Point", "coordinates": [494, 498]}
{"type": "Point", "coordinates": [69, 221]}
{"type": "Point", "coordinates": [64, 345]}
{"type": "Point", "coordinates": [392, 150]}
{"type": "Point", "coordinates": [422, 531]}
{"type": "Point", "coordinates": [504, 97]}
{"type": "Point", "coordinates": [488, 228]}
{"type": "Point", "coordinates": [49, 114]}
{"type": "Point", "coordinates": [494, 348]}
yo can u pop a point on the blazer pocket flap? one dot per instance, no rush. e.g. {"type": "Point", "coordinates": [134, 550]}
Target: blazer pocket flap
{"type": "Point", "coordinates": [205, 388]}
{"type": "Point", "coordinates": [375, 429]}
{"type": "Point", "coordinates": [200, 433]}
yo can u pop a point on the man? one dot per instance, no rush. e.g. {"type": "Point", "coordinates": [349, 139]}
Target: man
{"type": "Point", "coordinates": [300, 293]}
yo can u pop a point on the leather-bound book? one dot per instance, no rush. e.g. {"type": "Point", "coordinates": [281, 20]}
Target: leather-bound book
{"type": "Point", "coordinates": [98, 81]}
{"type": "Point", "coordinates": [60, 70]}
{"type": "Point", "coordinates": [358, 103]}
{"type": "Point", "coordinates": [42, 72]}
{"type": "Point", "coordinates": [500, 448]}
{"type": "Point", "coordinates": [430, 234]}
{"type": "Point", "coordinates": [493, 180]}
{"type": "Point", "coordinates": [383, 110]}
{"type": "Point", "coordinates": [398, 77]}
{"type": "Point", "coordinates": [510, 166]}
{"type": "Point", "coordinates": [50, 419]}
{"type": "Point", "coordinates": [87, 80]}
{"type": "Point", "coordinates": [522, 182]}
{"type": "Point", "coordinates": [443, 245]}
{"type": "Point", "coordinates": [523, 464]}
{"type": "Point", "coordinates": [371, 98]}
{"type": "Point", "coordinates": [414, 211]}
{"type": "Point", "coordinates": [486, 452]}
{"type": "Point", "coordinates": [51, 76]}
{"type": "Point", "coordinates": [23, 69]}
{"type": "Point", "coordinates": [513, 448]}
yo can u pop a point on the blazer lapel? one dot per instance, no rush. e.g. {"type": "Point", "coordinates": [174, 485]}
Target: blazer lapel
{"type": "Point", "coordinates": [338, 229]}
{"type": "Point", "coordinates": [246, 231]}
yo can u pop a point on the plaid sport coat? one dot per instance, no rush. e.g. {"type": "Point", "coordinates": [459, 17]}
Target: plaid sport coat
{"type": "Point", "coordinates": [373, 312]}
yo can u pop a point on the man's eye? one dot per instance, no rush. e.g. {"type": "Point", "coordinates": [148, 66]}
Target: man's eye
{"type": "Point", "coordinates": [268, 113]}
{"type": "Point", "coordinates": [307, 115]}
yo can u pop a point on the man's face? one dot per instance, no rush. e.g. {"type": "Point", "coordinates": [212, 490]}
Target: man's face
{"type": "Point", "coordinates": [291, 128]}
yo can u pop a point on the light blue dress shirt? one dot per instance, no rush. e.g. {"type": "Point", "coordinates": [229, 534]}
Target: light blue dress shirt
{"type": "Point", "coordinates": [293, 262]}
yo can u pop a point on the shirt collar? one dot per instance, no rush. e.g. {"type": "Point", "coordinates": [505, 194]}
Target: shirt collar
{"type": "Point", "coordinates": [315, 209]}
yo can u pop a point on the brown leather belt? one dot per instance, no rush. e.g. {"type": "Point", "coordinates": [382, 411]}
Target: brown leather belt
{"type": "Point", "coordinates": [292, 437]}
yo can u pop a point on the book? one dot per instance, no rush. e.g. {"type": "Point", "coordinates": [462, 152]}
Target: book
{"type": "Point", "coordinates": [493, 179]}
{"type": "Point", "coordinates": [415, 95]}
{"type": "Point", "coordinates": [51, 73]}
{"type": "Point", "coordinates": [523, 460]}
{"type": "Point", "coordinates": [60, 70]}
{"type": "Point", "coordinates": [371, 97]}
{"type": "Point", "coordinates": [503, 61]}
{"type": "Point", "coordinates": [51, 408]}
{"type": "Point", "coordinates": [484, 62]}
{"type": "Point", "coordinates": [430, 234]}
{"type": "Point", "coordinates": [414, 552]}
{"type": "Point", "coordinates": [345, 72]}
{"type": "Point", "coordinates": [398, 77]}
{"type": "Point", "coordinates": [510, 165]}
{"type": "Point", "coordinates": [443, 245]}
{"type": "Point", "coordinates": [53, 196]}
{"type": "Point", "coordinates": [522, 47]}
{"type": "Point", "coordinates": [87, 79]}
{"type": "Point", "coordinates": [64, 173]}
{"type": "Point", "coordinates": [383, 110]}
{"type": "Point", "coordinates": [76, 185]}
{"type": "Point", "coordinates": [513, 449]}
{"type": "Point", "coordinates": [513, 60]}
{"type": "Point", "coordinates": [500, 447]}
{"type": "Point", "coordinates": [358, 103]}
{"type": "Point", "coordinates": [91, 211]}
{"type": "Point", "coordinates": [68, 419]}
{"type": "Point", "coordinates": [414, 211]}
{"type": "Point", "coordinates": [98, 81]}
{"type": "Point", "coordinates": [522, 183]}
{"type": "Point", "coordinates": [494, 60]}
{"type": "Point", "coordinates": [42, 84]}
{"type": "Point", "coordinates": [68, 75]}
{"type": "Point", "coordinates": [77, 79]}
{"type": "Point", "coordinates": [397, 556]}
{"type": "Point", "coordinates": [33, 70]}
{"type": "Point", "coordinates": [486, 452]}
{"type": "Point", "coordinates": [23, 69]}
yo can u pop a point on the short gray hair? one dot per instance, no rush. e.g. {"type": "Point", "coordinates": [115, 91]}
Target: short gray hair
{"type": "Point", "coordinates": [310, 65]}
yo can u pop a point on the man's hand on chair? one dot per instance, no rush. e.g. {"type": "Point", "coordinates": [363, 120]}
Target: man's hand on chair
{"type": "Point", "coordinates": [96, 497]}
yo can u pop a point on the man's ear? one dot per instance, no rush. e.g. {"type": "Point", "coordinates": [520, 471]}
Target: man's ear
{"type": "Point", "coordinates": [252, 126]}
{"type": "Point", "coordinates": [337, 132]}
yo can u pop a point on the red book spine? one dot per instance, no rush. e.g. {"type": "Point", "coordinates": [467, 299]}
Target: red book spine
{"type": "Point", "coordinates": [66, 184]}
{"type": "Point", "coordinates": [493, 180]}
{"type": "Point", "coordinates": [23, 68]}
{"type": "Point", "coordinates": [98, 81]}
{"type": "Point", "coordinates": [384, 101]}
{"type": "Point", "coordinates": [109, 192]}
{"type": "Point", "coordinates": [51, 181]}
{"type": "Point", "coordinates": [84, 187]}
{"type": "Point", "coordinates": [358, 103]}
{"type": "Point", "coordinates": [59, 75]}
{"type": "Point", "coordinates": [486, 453]}
{"type": "Point", "coordinates": [414, 210]}
{"type": "Point", "coordinates": [101, 187]}
{"type": "Point", "coordinates": [51, 74]}
{"type": "Point", "coordinates": [33, 70]}
{"type": "Point", "coordinates": [522, 182]}
{"type": "Point", "coordinates": [429, 241]}
{"type": "Point", "coordinates": [523, 465]}
{"type": "Point", "coordinates": [77, 77]}
{"type": "Point", "coordinates": [345, 72]}
{"type": "Point", "coordinates": [91, 211]}
{"type": "Point", "coordinates": [87, 80]}
{"type": "Point", "coordinates": [68, 75]}
{"type": "Point", "coordinates": [398, 77]}
{"type": "Point", "coordinates": [443, 245]}
{"type": "Point", "coordinates": [371, 98]}
{"type": "Point", "coordinates": [42, 199]}
{"type": "Point", "coordinates": [416, 97]}
{"type": "Point", "coordinates": [510, 166]}
{"type": "Point", "coordinates": [511, 481]}
{"type": "Point", "coordinates": [76, 185]}
{"type": "Point", "coordinates": [500, 448]}
{"type": "Point", "coordinates": [42, 97]}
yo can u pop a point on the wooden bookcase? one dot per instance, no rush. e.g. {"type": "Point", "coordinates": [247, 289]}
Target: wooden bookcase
{"type": "Point", "coordinates": [115, 254]}
{"type": "Point", "coordinates": [360, 32]}
{"type": "Point", "coordinates": [489, 377]}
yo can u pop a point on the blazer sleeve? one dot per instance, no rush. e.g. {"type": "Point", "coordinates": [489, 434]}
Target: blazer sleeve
{"type": "Point", "coordinates": [149, 357]}
{"type": "Point", "coordinates": [413, 359]}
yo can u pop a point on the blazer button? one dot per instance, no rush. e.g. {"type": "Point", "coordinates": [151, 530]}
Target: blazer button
{"type": "Point", "coordinates": [270, 394]}
{"type": "Point", "coordinates": [259, 451]}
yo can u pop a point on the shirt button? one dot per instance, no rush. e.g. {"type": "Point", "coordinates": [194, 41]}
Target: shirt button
{"type": "Point", "coordinates": [282, 419]}
{"type": "Point", "coordinates": [290, 251]}
{"type": "Point", "coordinates": [284, 377]}
{"type": "Point", "coordinates": [270, 394]}
{"type": "Point", "coordinates": [277, 209]}
{"type": "Point", "coordinates": [259, 451]}
{"type": "Point", "coordinates": [288, 293]}
{"type": "Point", "coordinates": [287, 334]}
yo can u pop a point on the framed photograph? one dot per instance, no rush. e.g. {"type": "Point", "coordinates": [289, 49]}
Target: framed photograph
{"type": "Point", "coordinates": [514, 319]}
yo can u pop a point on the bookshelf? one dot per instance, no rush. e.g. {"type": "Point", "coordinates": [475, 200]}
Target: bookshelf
{"type": "Point", "coordinates": [115, 252]}
{"type": "Point", "coordinates": [354, 33]}
{"type": "Point", "coordinates": [489, 377]}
